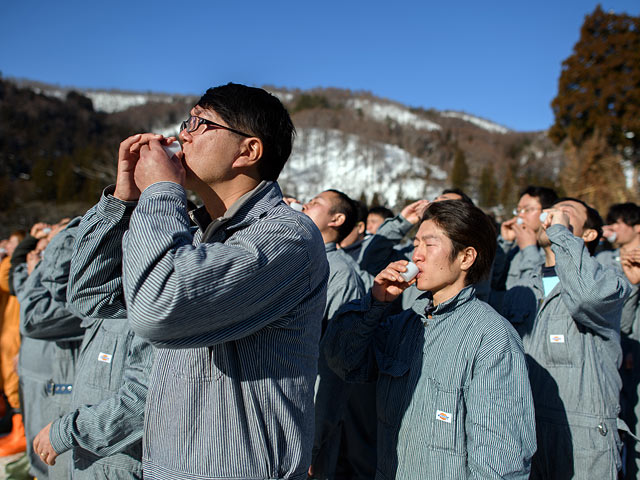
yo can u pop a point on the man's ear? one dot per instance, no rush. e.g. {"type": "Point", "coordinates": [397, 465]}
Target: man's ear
{"type": "Point", "coordinates": [337, 219]}
{"type": "Point", "coordinates": [636, 228]}
{"type": "Point", "coordinates": [589, 235]}
{"type": "Point", "coordinates": [362, 227]}
{"type": "Point", "coordinates": [250, 152]}
{"type": "Point", "coordinates": [467, 258]}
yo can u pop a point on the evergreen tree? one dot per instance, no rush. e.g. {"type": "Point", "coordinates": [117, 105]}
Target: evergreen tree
{"type": "Point", "coordinates": [594, 174]}
{"type": "Point", "coordinates": [459, 177]}
{"type": "Point", "coordinates": [363, 198]}
{"type": "Point", "coordinates": [67, 180]}
{"type": "Point", "coordinates": [507, 194]}
{"type": "Point", "coordinates": [375, 200]}
{"type": "Point", "coordinates": [41, 174]}
{"type": "Point", "coordinates": [7, 193]}
{"type": "Point", "coordinates": [599, 92]}
{"type": "Point", "coordinates": [488, 189]}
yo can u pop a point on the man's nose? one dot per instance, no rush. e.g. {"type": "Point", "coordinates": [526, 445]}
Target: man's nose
{"type": "Point", "coordinates": [185, 136]}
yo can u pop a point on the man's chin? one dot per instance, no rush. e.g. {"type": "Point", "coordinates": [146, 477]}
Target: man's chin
{"type": "Point", "coordinates": [191, 181]}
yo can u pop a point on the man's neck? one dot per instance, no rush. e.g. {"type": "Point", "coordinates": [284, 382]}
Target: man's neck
{"type": "Point", "coordinates": [329, 237]}
{"type": "Point", "coordinates": [449, 291]}
{"type": "Point", "coordinates": [217, 198]}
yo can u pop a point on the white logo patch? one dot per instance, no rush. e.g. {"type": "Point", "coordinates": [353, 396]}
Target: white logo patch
{"type": "Point", "coordinates": [443, 416]}
{"type": "Point", "coordinates": [104, 357]}
{"type": "Point", "coordinates": [556, 338]}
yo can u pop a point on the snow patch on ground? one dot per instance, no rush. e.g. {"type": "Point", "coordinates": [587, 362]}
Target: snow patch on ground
{"type": "Point", "coordinates": [111, 102]}
{"type": "Point", "coordinates": [480, 122]}
{"type": "Point", "coordinates": [285, 97]}
{"type": "Point", "coordinates": [323, 159]}
{"type": "Point", "coordinates": [629, 172]}
{"type": "Point", "coordinates": [382, 112]}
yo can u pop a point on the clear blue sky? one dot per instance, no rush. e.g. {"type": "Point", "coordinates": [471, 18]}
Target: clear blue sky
{"type": "Point", "coordinates": [497, 59]}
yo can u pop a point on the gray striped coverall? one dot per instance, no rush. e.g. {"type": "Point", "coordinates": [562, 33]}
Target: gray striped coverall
{"type": "Point", "coordinates": [453, 396]}
{"type": "Point", "coordinates": [105, 426]}
{"type": "Point", "coordinates": [51, 337]}
{"type": "Point", "coordinates": [572, 341]}
{"type": "Point", "coordinates": [235, 309]}
{"type": "Point", "coordinates": [332, 394]}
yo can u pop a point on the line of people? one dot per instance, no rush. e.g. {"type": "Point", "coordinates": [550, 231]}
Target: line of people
{"type": "Point", "coordinates": [244, 339]}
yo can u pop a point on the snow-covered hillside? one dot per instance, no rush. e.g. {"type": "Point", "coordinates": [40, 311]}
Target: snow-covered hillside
{"type": "Point", "coordinates": [359, 162]}
{"type": "Point", "coordinates": [107, 101]}
{"type": "Point", "coordinates": [477, 121]}
{"type": "Point", "coordinates": [383, 111]}
{"type": "Point", "coordinates": [324, 159]}
{"type": "Point", "coordinates": [110, 102]}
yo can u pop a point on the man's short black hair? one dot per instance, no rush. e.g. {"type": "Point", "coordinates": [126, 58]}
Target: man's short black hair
{"type": "Point", "coordinates": [628, 212]}
{"type": "Point", "coordinates": [593, 221]}
{"type": "Point", "coordinates": [345, 205]}
{"type": "Point", "coordinates": [546, 196]}
{"type": "Point", "coordinates": [256, 112]}
{"type": "Point", "coordinates": [466, 226]}
{"type": "Point", "coordinates": [384, 212]}
{"type": "Point", "coordinates": [457, 191]}
{"type": "Point", "coordinates": [361, 208]}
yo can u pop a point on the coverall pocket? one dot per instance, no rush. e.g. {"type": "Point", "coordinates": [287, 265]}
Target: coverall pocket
{"type": "Point", "coordinates": [447, 420]}
{"type": "Point", "coordinates": [557, 341]}
{"type": "Point", "coordinates": [107, 356]}
{"type": "Point", "coordinates": [391, 401]}
{"type": "Point", "coordinates": [595, 454]}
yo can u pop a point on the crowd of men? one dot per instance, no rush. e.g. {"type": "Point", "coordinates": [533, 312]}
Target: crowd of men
{"type": "Point", "coordinates": [244, 339]}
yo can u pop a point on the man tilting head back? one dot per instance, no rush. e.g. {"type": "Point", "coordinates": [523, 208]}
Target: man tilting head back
{"type": "Point", "coordinates": [235, 308]}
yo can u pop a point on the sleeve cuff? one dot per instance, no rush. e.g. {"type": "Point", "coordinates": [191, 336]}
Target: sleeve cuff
{"type": "Point", "coordinates": [404, 224]}
{"type": "Point", "coordinates": [164, 188]}
{"type": "Point", "coordinates": [532, 252]}
{"type": "Point", "coordinates": [60, 440]}
{"type": "Point", "coordinates": [557, 233]}
{"type": "Point", "coordinates": [504, 244]}
{"type": "Point", "coordinates": [373, 309]}
{"type": "Point", "coordinates": [114, 209]}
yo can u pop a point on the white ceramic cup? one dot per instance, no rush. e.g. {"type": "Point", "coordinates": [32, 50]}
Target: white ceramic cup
{"type": "Point", "coordinates": [172, 149]}
{"type": "Point", "coordinates": [412, 271]}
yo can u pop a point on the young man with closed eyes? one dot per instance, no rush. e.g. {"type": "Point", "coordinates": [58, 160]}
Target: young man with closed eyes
{"type": "Point", "coordinates": [453, 397]}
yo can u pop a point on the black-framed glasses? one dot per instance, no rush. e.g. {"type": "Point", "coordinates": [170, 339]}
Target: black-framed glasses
{"type": "Point", "coordinates": [522, 211]}
{"type": "Point", "coordinates": [192, 123]}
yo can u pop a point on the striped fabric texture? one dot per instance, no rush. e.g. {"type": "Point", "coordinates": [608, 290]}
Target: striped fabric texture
{"type": "Point", "coordinates": [630, 370]}
{"type": "Point", "coordinates": [345, 283]}
{"type": "Point", "coordinates": [235, 311]}
{"type": "Point", "coordinates": [572, 341]}
{"type": "Point", "coordinates": [512, 264]}
{"type": "Point", "coordinates": [43, 297]}
{"type": "Point", "coordinates": [628, 320]}
{"type": "Point", "coordinates": [332, 393]}
{"type": "Point", "coordinates": [105, 427]}
{"type": "Point", "coordinates": [453, 396]}
{"type": "Point", "coordinates": [51, 338]}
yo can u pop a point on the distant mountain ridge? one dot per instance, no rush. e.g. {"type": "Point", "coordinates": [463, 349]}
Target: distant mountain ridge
{"type": "Point", "coordinates": [369, 147]}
